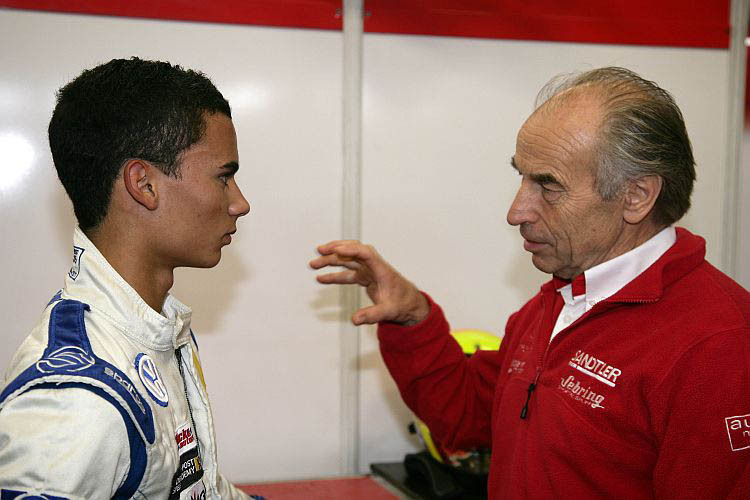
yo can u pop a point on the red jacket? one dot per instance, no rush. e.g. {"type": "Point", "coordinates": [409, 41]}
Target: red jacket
{"type": "Point", "coordinates": [646, 395]}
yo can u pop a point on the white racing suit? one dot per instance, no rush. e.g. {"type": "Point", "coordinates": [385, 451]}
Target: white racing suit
{"type": "Point", "coordinates": [95, 404]}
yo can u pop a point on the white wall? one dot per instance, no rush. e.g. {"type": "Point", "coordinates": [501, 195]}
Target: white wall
{"type": "Point", "coordinates": [440, 118]}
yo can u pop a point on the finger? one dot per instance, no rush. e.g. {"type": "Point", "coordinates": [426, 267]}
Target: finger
{"type": "Point", "coordinates": [329, 260]}
{"type": "Point", "coordinates": [351, 250]}
{"type": "Point", "coordinates": [327, 248]}
{"type": "Point", "coordinates": [334, 260]}
{"type": "Point", "coordinates": [340, 278]}
{"type": "Point", "coordinates": [356, 257]}
{"type": "Point", "coordinates": [370, 315]}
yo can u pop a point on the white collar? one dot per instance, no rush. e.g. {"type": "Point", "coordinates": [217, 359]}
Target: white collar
{"type": "Point", "coordinates": [94, 281]}
{"type": "Point", "coordinates": [607, 278]}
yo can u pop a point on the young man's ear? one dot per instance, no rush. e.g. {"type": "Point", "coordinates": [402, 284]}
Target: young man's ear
{"type": "Point", "coordinates": [139, 176]}
{"type": "Point", "coordinates": [640, 196]}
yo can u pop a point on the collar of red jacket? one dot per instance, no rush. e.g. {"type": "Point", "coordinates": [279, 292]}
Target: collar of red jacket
{"type": "Point", "coordinates": [579, 284]}
{"type": "Point", "coordinates": [686, 254]}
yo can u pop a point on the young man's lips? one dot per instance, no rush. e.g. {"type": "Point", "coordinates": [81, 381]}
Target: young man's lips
{"type": "Point", "coordinates": [227, 239]}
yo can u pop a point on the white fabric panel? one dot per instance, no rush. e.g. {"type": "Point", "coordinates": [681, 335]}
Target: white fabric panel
{"type": "Point", "coordinates": [440, 122]}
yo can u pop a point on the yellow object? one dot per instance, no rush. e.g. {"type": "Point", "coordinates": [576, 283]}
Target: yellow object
{"type": "Point", "coordinates": [470, 342]}
{"type": "Point", "coordinates": [199, 369]}
{"type": "Point", "coordinates": [424, 433]}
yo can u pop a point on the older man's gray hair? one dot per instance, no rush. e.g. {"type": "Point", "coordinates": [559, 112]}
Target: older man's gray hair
{"type": "Point", "coordinates": [642, 133]}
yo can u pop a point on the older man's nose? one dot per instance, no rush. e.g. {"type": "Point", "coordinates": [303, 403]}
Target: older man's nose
{"type": "Point", "coordinates": [521, 210]}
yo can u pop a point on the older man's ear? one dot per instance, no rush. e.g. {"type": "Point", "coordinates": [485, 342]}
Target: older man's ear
{"type": "Point", "coordinates": [640, 197]}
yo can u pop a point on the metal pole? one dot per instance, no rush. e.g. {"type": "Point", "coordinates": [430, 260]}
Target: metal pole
{"type": "Point", "coordinates": [736, 110]}
{"type": "Point", "coordinates": [351, 229]}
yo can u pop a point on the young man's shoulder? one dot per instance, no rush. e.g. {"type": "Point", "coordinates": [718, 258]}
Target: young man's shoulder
{"type": "Point", "coordinates": [55, 414]}
{"type": "Point", "coordinates": [60, 354]}
{"type": "Point", "coordinates": [32, 348]}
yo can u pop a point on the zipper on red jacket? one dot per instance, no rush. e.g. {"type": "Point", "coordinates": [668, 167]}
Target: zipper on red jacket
{"type": "Point", "coordinates": [539, 364]}
{"type": "Point", "coordinates": [532, 386]}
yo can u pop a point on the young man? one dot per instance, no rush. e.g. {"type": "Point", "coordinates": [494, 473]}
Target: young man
{"type": "Point", "coordinates": [627, 375]}
{"type": "Point", "coordinates": [106, 398]}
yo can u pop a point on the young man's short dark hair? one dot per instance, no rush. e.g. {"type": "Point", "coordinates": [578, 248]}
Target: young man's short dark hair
{"type": "Point", "coordinates": [126, 108]}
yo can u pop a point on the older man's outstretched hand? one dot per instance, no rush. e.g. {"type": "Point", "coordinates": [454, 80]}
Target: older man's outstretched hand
{"type": "Point", "coordinates": [394, 297]}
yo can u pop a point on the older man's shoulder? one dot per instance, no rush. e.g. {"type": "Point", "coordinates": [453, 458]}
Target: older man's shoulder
{"type": "Point", "coordinates": [713, 297]}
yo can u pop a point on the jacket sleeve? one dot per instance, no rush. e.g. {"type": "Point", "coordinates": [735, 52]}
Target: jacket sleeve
{"type": "Point", "coordinates": [451, 393]}
{"type": "Point", "coordinates": [701, 418]}
{"type": "Point", "coordinates": [48, 445]}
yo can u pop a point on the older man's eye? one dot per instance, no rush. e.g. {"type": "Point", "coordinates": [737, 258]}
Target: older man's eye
{"type": "Point", "coordinates": [551, 191]}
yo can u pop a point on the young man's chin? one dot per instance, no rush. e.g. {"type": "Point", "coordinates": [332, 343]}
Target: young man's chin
{"type": "Point", "coordinates": [204, 263]}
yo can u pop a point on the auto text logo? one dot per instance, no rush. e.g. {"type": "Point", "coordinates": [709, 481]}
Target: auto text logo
{"type": "Point", "coordinates": [738, 429]}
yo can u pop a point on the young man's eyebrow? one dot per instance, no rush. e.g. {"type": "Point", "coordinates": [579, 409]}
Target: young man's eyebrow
{"type": "Point", "coordinates": [513, 162]}
{"type": "Point", "coordinates": [232, 167]}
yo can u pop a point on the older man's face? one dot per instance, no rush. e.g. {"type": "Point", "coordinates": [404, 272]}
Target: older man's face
{"type": "Point", "coordinates": [565, 224]}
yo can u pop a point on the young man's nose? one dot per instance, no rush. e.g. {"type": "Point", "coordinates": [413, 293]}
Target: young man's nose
{"type": "Point", "coordinates": [239, 205]}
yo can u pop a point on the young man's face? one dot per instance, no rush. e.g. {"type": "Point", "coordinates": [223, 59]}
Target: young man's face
{"type": "Point", "coordinates": [202, 205]}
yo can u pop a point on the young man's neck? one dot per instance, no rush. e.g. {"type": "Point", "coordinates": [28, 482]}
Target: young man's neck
{"type": "Point", "coordinates": [127, 254]}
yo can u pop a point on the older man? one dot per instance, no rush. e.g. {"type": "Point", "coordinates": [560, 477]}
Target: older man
{"type": "Point", "coordinates": [626, 376]}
